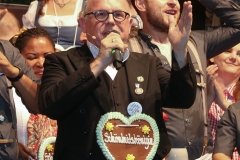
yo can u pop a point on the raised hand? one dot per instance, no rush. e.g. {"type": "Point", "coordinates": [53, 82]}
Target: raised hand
{"type": "Point", "coordinates": [6, 67]}
{"type": "Point", "coordinates": [178, 34]}
{"type": "Point", "coordinates": [211, 76]}
{"type": "Point", "coordinates": [214, 90]}
{"type": "Point", "coordinates": [104, 58]}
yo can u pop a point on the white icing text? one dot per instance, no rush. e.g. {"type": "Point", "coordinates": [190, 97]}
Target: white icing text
{"type": "Point", "coordinates": [128, 139]}
{"type": "Point", "coordinates": [48, 156]}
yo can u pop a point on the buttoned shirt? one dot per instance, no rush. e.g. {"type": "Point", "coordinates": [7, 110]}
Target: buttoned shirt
{"type": "Point", "coordinates": [215, 114]}
{"type": "Point", "coordinates": [180, 123]}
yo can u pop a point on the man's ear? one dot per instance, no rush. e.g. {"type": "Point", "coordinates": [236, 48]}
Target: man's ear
{"type": "Point", "coordinates": [131, 22]}
{"type": "Point", "coordinates": [141, 5]}
{"type": "Point", "coordinates": [82, 23]}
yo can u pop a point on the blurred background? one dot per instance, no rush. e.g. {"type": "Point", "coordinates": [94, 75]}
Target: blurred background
{"type": "Point", "coordinates": [201, 19]}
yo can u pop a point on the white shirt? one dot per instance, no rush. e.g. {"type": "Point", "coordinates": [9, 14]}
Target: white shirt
{"type": "Point", "coordinates": [111, 70]}
{"type": "Point", "coordinates": [22, 118]}
{"type": "Point", "coordinates": [166, 50]}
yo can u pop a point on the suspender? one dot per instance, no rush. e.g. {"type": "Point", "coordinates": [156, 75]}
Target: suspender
{"type": "Point", "coordinates": [134, 45]}
{"type": "Point", "coordinates": [195, 53]}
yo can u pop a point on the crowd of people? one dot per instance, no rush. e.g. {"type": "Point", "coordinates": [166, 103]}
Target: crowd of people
{"type": "Point", "coordinates": [58, 76]}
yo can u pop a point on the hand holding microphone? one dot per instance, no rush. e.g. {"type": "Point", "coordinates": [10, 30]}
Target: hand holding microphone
{"type": "Point", "coordinates": [117, 55]}
{"type": "Point", "coordinates": [115, 52]}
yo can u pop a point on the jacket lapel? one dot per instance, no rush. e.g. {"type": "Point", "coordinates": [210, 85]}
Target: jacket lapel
{"type": "Point", "coordinates": [82, 57]}
{"type": "Point", "coordinates": [100, 94]}
{"type": "Point", "coordinates": [137, 70]}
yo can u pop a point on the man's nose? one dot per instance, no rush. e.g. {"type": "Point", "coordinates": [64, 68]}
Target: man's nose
{"type": "Point", "coordinates": [110, 19]}
{"type": "Point", "coordinates": [172, 3]}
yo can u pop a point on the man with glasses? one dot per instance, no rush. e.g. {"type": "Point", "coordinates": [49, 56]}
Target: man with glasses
{"type": "Point", "coordinates": [81, 84]}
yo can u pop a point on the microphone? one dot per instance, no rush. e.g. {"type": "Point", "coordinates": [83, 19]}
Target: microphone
{"type": "Point", "coordinates": [93, 37]}
{"type": "Point", "coordinates": [117, 56]}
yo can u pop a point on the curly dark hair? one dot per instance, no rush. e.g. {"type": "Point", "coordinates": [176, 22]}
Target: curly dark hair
{"type": "Point", "coordinates": [26, 36]}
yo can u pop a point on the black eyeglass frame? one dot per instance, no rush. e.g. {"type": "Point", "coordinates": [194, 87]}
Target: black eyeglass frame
{"type": "Point", "coordinates": [95, 12]}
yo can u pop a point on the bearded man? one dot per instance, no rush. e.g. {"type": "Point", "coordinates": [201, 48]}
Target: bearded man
{"type": "Point", "coordinates": [186, 127]}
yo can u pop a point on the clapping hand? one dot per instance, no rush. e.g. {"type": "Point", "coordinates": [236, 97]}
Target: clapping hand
{"type": "Point", "coordinates": [6, 67]}
{"type": "Point", "coordinates": [214, 90]}
{"type": "Point", "coordinates": [178, 34]}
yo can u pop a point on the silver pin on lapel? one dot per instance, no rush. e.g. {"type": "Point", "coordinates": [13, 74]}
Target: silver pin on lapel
{"type": "Point", "coordinates": [138, 90]}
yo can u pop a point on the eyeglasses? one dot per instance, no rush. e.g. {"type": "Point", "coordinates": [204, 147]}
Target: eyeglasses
{"type": "Point", "coordinates": [102, 15]}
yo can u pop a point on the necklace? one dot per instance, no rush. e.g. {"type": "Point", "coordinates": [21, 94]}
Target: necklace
{"type": "Point", "coordinates": [61, 5]}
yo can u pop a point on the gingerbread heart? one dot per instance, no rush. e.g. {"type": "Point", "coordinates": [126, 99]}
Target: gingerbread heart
{"type": "Point", "coordinates": [46, 149]}
{"type": "Point", "coordinates": [121, 138]}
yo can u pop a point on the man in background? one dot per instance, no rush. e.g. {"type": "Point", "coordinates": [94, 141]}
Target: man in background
{"type": "Point", "coordinates": [13, 72]}
{"type": "Point", "coordinates": [187, 127]}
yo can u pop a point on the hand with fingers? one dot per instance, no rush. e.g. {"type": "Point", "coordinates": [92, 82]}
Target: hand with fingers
{"type": "Point", "coordinates": [178, 34]}
{"type": "Point", "coordinates": [110, 42]}
{"type": "Point", "coordinates": [211, 76]}
{"type": "Point", "coordinates": [104, 58]}
{"type": "Point", "coordinates": [214, 90]}
{"type": "Point", "coordinates": [7, 68]}
{"type": "Point", "coordinates": [25, 153]}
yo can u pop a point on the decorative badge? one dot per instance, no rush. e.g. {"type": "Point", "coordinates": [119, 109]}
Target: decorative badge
{"type": "Point", "coordinates": [1, 118]}
{"type": "Point", "coordinates": [140, 79]}
{"type": "Point", "coordinates": [121, 138]}
{"type": "Point", "coordinates": [138, 90]}
{"type": "Point", "coordinates": [134, 108]}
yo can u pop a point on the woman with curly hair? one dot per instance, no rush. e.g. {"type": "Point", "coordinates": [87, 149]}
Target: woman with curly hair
{"type": "Point", "coordinates": [34, 44]}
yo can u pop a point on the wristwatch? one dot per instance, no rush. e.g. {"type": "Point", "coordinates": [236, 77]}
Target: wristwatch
{"type": "Point", "coordinates": [15, 79]}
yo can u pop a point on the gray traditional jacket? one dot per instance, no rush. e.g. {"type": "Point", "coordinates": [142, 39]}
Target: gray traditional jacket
{"type": "Point", "coordinates": [8, 121]}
